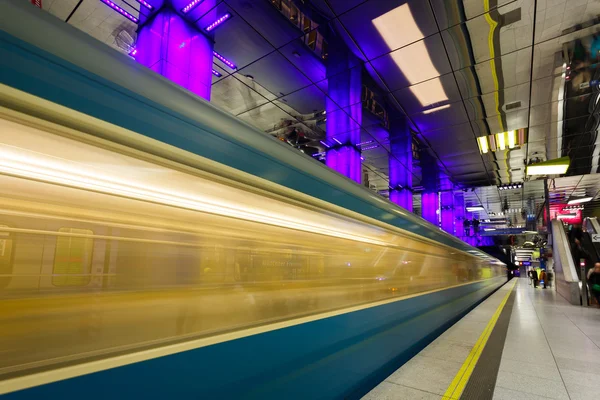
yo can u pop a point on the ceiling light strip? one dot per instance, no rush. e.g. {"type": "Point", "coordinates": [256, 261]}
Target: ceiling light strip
{"type": "Point", "coordinates": [224, 60]}
{"type": "Point", "coordinates": [217, 73]}
{"type": "Point", "coordinates": [146, 4]}
{"type": "Point", "coordinates": [120, 11]}
{"type": "Point", "coordinates": [191, 6]}
{"type": "Point", "coordinates": [218, 22]}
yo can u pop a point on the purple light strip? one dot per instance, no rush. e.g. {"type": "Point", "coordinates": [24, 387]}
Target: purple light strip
{"type": "Point", "coordinates": [224, 60]}
{"type": "Point", "coordinates": [324, 144]}
{"type": "Point", "coordinates": [191, 6]}
{"type": "Point", "coordinates": [120, 11]}
{"type": "Point", "coordinates": [370, 147]}
{"type": "Point", "coordinates": [146, 4]}
{"type": "Point", "coordinates": [133, 53]}
{"type": "Point", "coordinates": [337, 141]}
{"type": "Point", "coordinates": [217, 73]}
{"type": "Point", "coordinates": [217, 22]}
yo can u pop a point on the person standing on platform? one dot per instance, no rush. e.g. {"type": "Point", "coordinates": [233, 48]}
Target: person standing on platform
{"type": "Point", "coordinates": [543, 277]}
{"type": "Point", "coordinates": [593, 280]}
{"type": "Point", "coordinates": [534, 277]}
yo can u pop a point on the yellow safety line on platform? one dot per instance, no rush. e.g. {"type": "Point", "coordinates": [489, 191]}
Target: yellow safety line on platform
{"type": "Point", "coordinates": [459, 382]}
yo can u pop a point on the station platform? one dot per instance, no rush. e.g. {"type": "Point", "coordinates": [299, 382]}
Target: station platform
{"type": "Point", "coordinates": [520, 343]}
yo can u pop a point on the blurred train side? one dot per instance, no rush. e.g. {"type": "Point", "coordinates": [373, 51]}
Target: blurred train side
{"type": "Point", "coordinates": [79, 267]}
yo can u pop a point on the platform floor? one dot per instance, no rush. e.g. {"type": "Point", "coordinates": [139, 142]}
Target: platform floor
{"type": "Point", "coordinates": [520, 343]}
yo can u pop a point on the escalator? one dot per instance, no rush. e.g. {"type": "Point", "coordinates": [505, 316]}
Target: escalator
{"type": "Point", "coordinates": [567, 280]}
{"type": "Point", "coordinates": [591, 227]}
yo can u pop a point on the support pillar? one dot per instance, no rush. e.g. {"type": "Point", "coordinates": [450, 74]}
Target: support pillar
{"type": "Point", "coordinates": [400, 164]}
{"type": "Point", "coordinates": [459, 213]}
{"type": "Point", "coordinates": [430, 202]}
{"type": "Point", "coordinates": [344, 112]}
{"type": "Point", "coordinates": [176, 49]}
{"type": "Point", "coordinates": [447, 211]}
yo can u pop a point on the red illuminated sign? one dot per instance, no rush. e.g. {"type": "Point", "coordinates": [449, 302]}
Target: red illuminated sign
{"type": "Point", "coordinates": [37, 3]}
{"type": "Point", "coordinates": [571, 217]}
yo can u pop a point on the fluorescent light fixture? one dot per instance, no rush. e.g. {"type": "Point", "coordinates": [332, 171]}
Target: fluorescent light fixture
{"type": "Point", "coordinates": [580, 200]}
{"type": "Point", "coordinates": [337, 141]}
{"type": "Point", "coordinates": [191, 6]}
{"type": "Point", "coordinates": [120, 11]}
{"type": "Point", "coordinates": [552, 167]}
{"type": "Point", "coordinates": [224, 60]}
{"type": "Point", "coordinates": [500, 139]}
{"type": "Point", "coordinates": [145, 4]}
{"type": "Point", "coordinates": [489, 229]}
{"type": "Point", "coordinates": [432, 110]}
{"type": "Point", "coordinates": [483, 144]}
{"type": "Point", "coordinates": [324, 144]}
{"type": "Point", "coordinates": [475, 208]}
{"type": "Point", "coordinates": [530, 232]}
{"type": "Point", "coordinates": [217, 73]}
{"type": "Point", "coordinates": [512, 139]}
{"type": "Point", "coordinates": [217, 22]}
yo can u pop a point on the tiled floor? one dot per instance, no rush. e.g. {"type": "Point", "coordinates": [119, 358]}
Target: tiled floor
{"type": "Point", "coordinates": [552, 351]}
{"type": "Point", "coordinates": [429, 373]}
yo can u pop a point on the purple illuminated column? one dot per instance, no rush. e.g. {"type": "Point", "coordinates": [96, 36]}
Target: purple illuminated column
{"type": "Point", "coordinates": [430, 207]}
{"type": "Point", "coordinates": [174, 48]}
{"type": "Point", "coordinates": [344, 112]}
{"type": "Point", "coordinates": [400, 163]}
{"type": "Point", "coordinates": [447, 211]}
{"type": "Point", "coordinates": [459, 213]}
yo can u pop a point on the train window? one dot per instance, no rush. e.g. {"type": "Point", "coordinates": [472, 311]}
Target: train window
{"type": "Point", "coordinates": [73, 258]}
{"type": "Point", "coordinates": [6, 249]}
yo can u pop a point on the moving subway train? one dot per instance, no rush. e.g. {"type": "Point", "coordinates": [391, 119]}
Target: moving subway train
{"type": "Point", "coordinates": [153, 246]}
{"type": "Point", "coordinates": [106, 249]}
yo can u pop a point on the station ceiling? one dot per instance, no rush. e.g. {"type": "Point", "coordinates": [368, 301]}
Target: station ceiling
{"type": "Point", "coordinates": [455, 69]}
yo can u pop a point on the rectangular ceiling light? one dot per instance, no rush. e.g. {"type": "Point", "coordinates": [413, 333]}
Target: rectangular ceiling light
{"type": "Point", "coordinates": [483, 144]}
{"type": "Point", "coordinates": [429, 92]}
{"type": "Point", "coordinates": [580, 200]}
{"type": "Point", "coordinates": [475, 208]}
{"type": "Point", "coordinates": [512, 139]}
{"type": "Point", "coordinates": [501, 140]}
{"type": "Point", "coordinates": [557, 166]}
{"type": "Point", "coordinates": [120, 11]}
{"type": "Point", "coordinates": [399, 28]}
{"type": "Point", "coordinates": [191, 6]}
{"type": "Point", "coordinates": [217, 22]}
